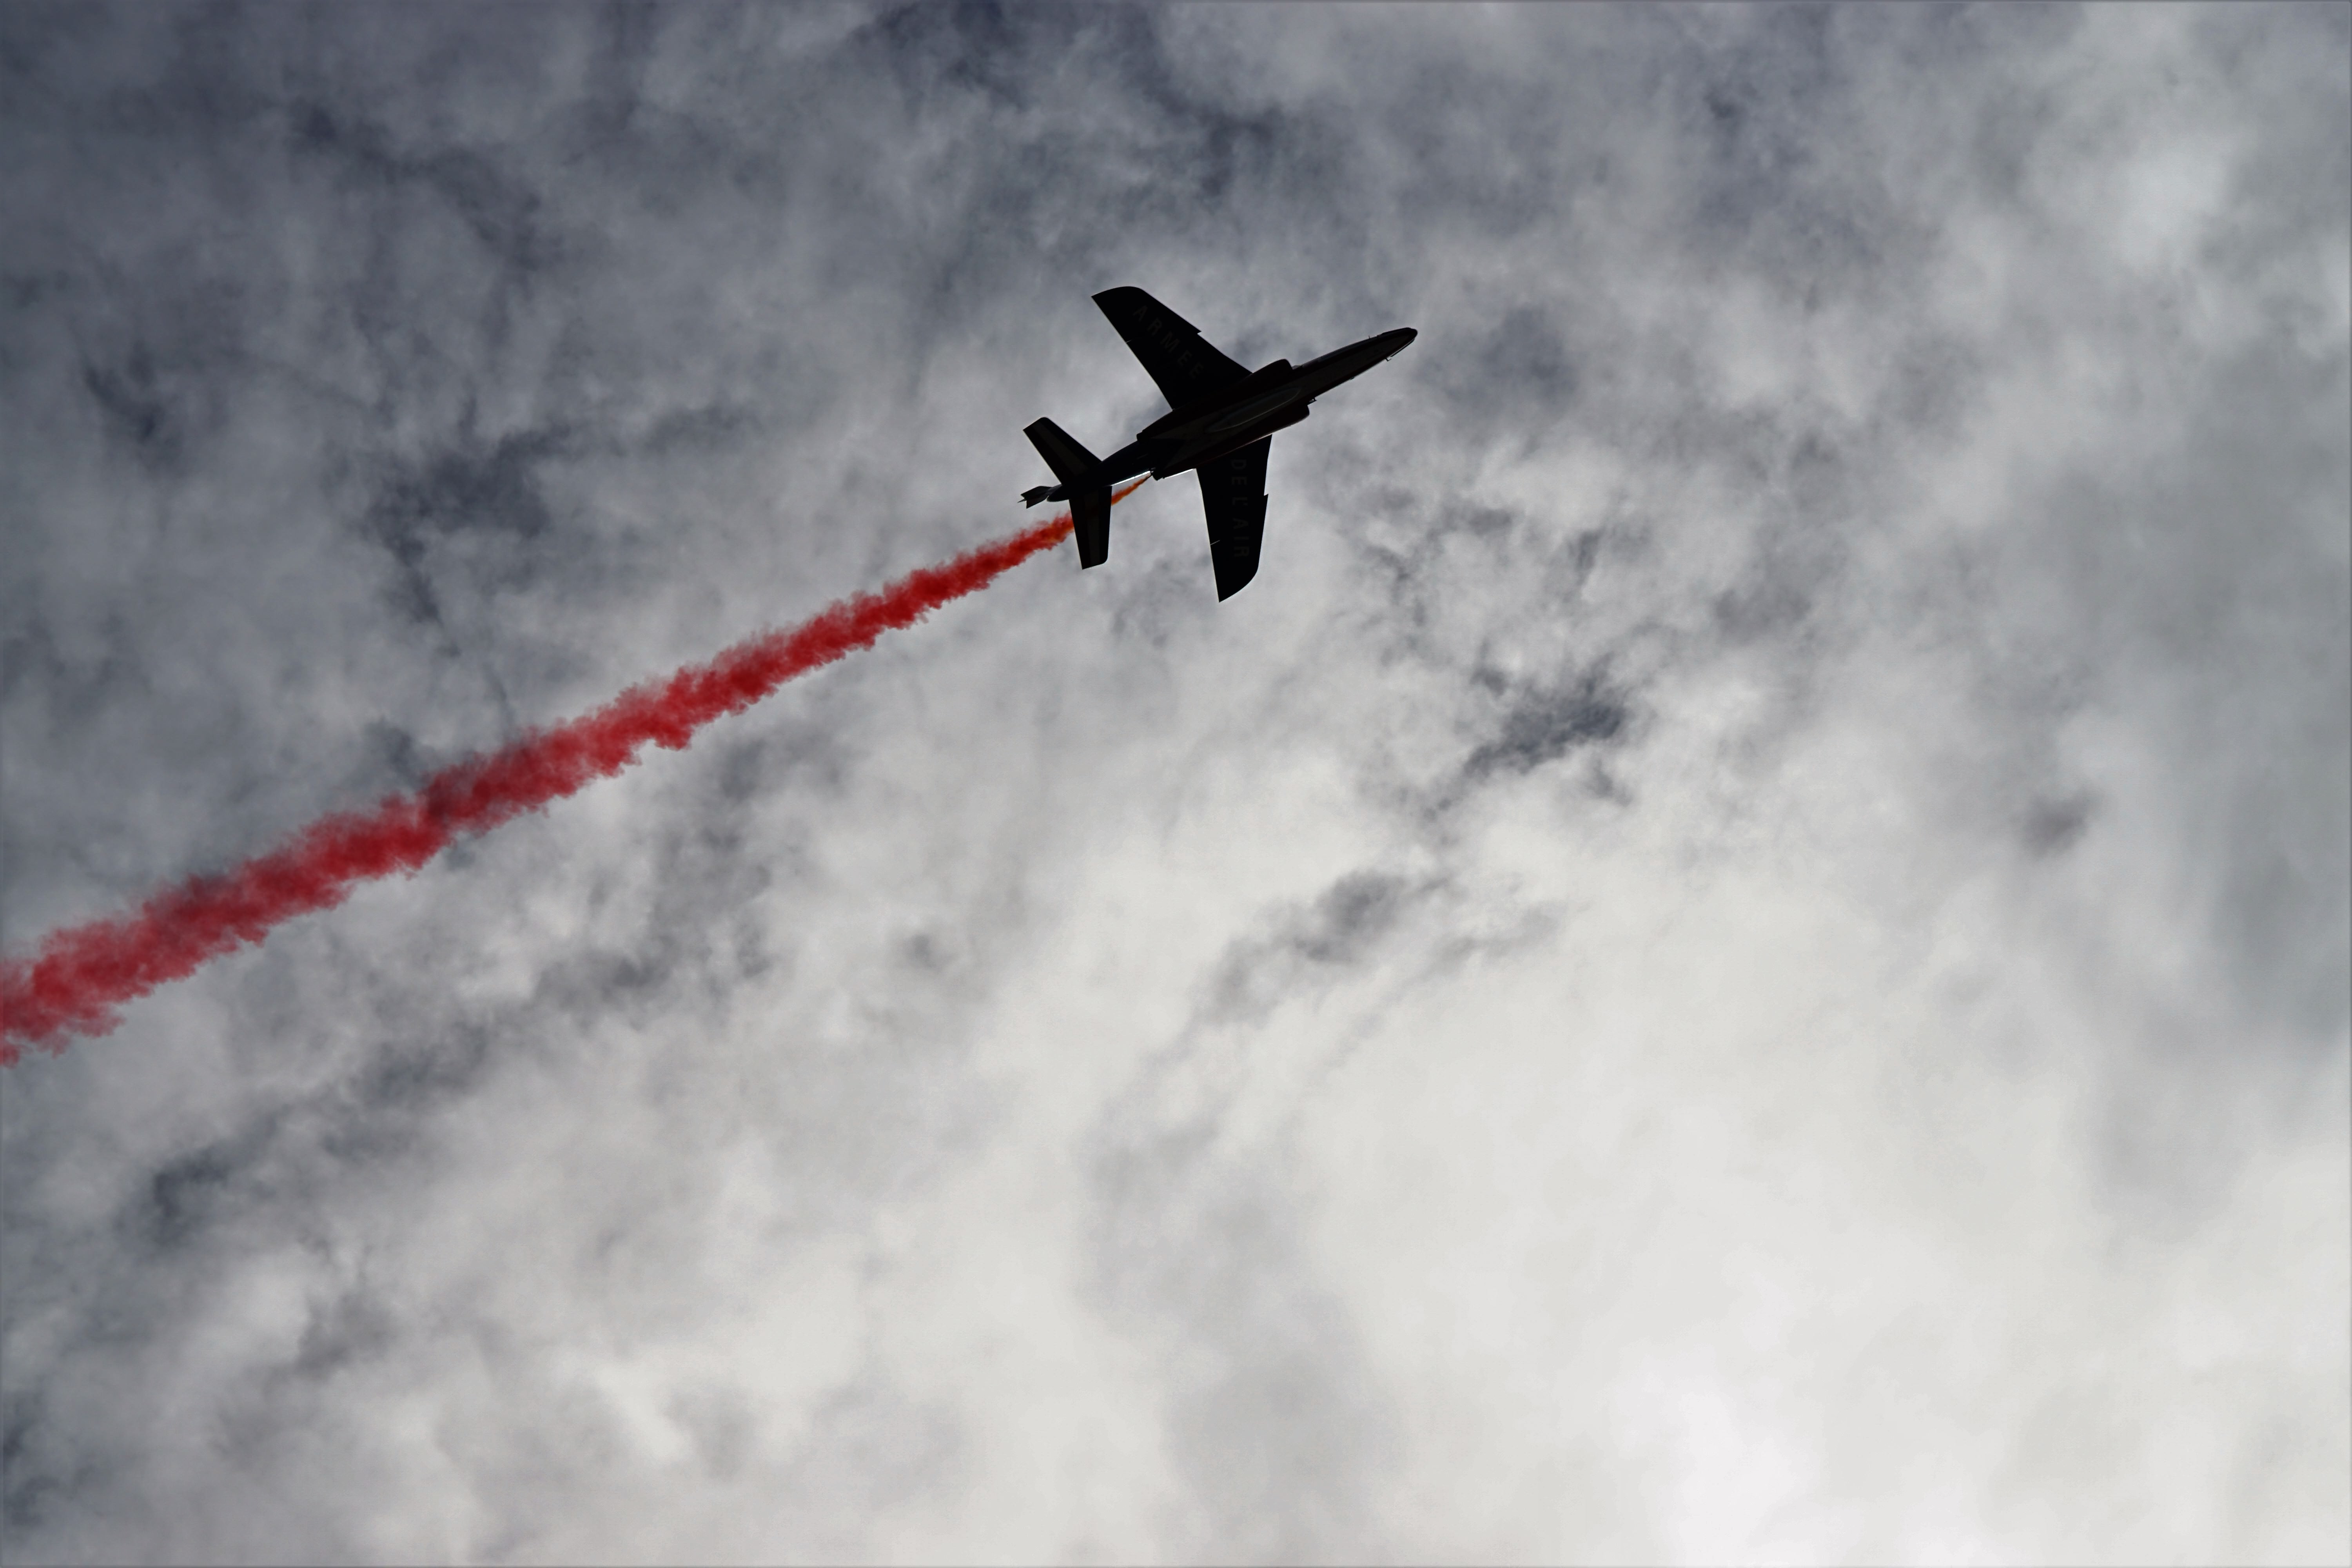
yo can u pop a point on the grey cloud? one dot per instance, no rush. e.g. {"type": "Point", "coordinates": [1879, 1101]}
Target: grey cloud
{"type": "Point", "coordinates": [1111, 1074]}
{"type": "Point", "coordinates": [1545, 727]}
{"type": "Point", "coordinates": [129, 399]}
{"type": "Point", "coordinates": [1277, 1427]}
{"type": "Point", "coordinates": [2052, 827]}
{"type": "Point", "coordinates": [474, 496]}
{"type": "Point", "coordinates": [1340, 930]}
{"type": "Point", "coordinates": [500, 211]}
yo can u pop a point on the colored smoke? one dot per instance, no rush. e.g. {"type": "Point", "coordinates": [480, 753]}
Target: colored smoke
{"type": "Point", "coordinates": [82, 973]}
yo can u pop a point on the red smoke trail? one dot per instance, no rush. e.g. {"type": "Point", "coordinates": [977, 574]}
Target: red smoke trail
{"type": "Point", "coordinates": [82, 973]}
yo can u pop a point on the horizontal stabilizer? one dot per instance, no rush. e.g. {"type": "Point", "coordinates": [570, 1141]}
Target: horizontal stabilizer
{"type": "Point", "coordinates": [1090, 521]}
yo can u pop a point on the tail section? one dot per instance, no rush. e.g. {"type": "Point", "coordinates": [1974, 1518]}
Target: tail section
{"type": "Point", "coordinates": [1090, 523]}
{"type": "Point", "coordinates": [1089, 496]}
{"type": "Point", "coordinates": [1072, 464]}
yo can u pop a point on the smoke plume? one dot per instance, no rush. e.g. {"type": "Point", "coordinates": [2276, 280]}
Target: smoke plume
{"type": "Point", "coordinates": [81, 974]}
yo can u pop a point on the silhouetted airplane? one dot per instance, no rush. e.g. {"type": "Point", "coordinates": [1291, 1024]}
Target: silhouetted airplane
{"type": "Point", "coordinates": [1220, 423]}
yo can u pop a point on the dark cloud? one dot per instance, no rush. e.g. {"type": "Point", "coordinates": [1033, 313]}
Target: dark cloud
{"type": "Point", "coordinates": [2054, 826]}
{"type": "Point", "coordinates": [486, 495]}
{"type": "Point", "coordinates": [1340, 930]}
{"type": "Point", "coordinates": [1546, 726]}
{"type": "Point", "coordinates": [135, 407]}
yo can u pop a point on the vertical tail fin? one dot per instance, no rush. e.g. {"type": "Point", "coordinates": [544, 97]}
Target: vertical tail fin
{"type": "Point", "coordinates": [1072, 464]}
{"type": "Point", "coordinates": [1090, 498]}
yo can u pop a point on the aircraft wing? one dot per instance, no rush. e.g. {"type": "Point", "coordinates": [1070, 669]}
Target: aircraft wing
{"type": "Point", "coordinates": [1233, 492]}
{"type": "Point", "coordinates": [1177, 358]}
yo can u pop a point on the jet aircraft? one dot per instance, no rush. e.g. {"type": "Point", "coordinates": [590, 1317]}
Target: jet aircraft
{"type": "Point", "coordinates": [1220, 424]}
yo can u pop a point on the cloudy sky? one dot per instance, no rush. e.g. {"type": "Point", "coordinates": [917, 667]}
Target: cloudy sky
{"type": "Point", "coordinates": [1738, 949]}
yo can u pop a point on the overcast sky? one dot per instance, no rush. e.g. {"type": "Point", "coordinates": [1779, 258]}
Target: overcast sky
{"type": "Point", "coordinates": [1738, 950]}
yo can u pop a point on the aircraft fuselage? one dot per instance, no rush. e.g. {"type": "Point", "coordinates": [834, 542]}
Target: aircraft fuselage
{"type": "Point", "coordinates": [1253, 408]}
{"type": "Point", "coordinates": [1219, 421]}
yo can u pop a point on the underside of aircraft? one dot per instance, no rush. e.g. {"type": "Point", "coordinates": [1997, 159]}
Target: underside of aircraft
{"type": "Point", "coordinates": [1220, 423]}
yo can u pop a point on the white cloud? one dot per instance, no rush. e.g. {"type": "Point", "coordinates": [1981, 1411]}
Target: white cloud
{"type": "Point", "coordinates": [1738, 949]}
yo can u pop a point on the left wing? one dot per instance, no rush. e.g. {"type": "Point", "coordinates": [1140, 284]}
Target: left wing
{"type": "Point", "coordinates": [1233, 492]}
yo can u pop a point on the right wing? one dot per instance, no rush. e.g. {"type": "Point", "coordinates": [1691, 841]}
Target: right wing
{"type": "Point", "coordinates": [1177, 358]}
{"type": "Point", "coordinates": [1233, 492]}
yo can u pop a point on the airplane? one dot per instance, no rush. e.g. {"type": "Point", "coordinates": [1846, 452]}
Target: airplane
{"type": "Point", "coordinates": [1220, 424]}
